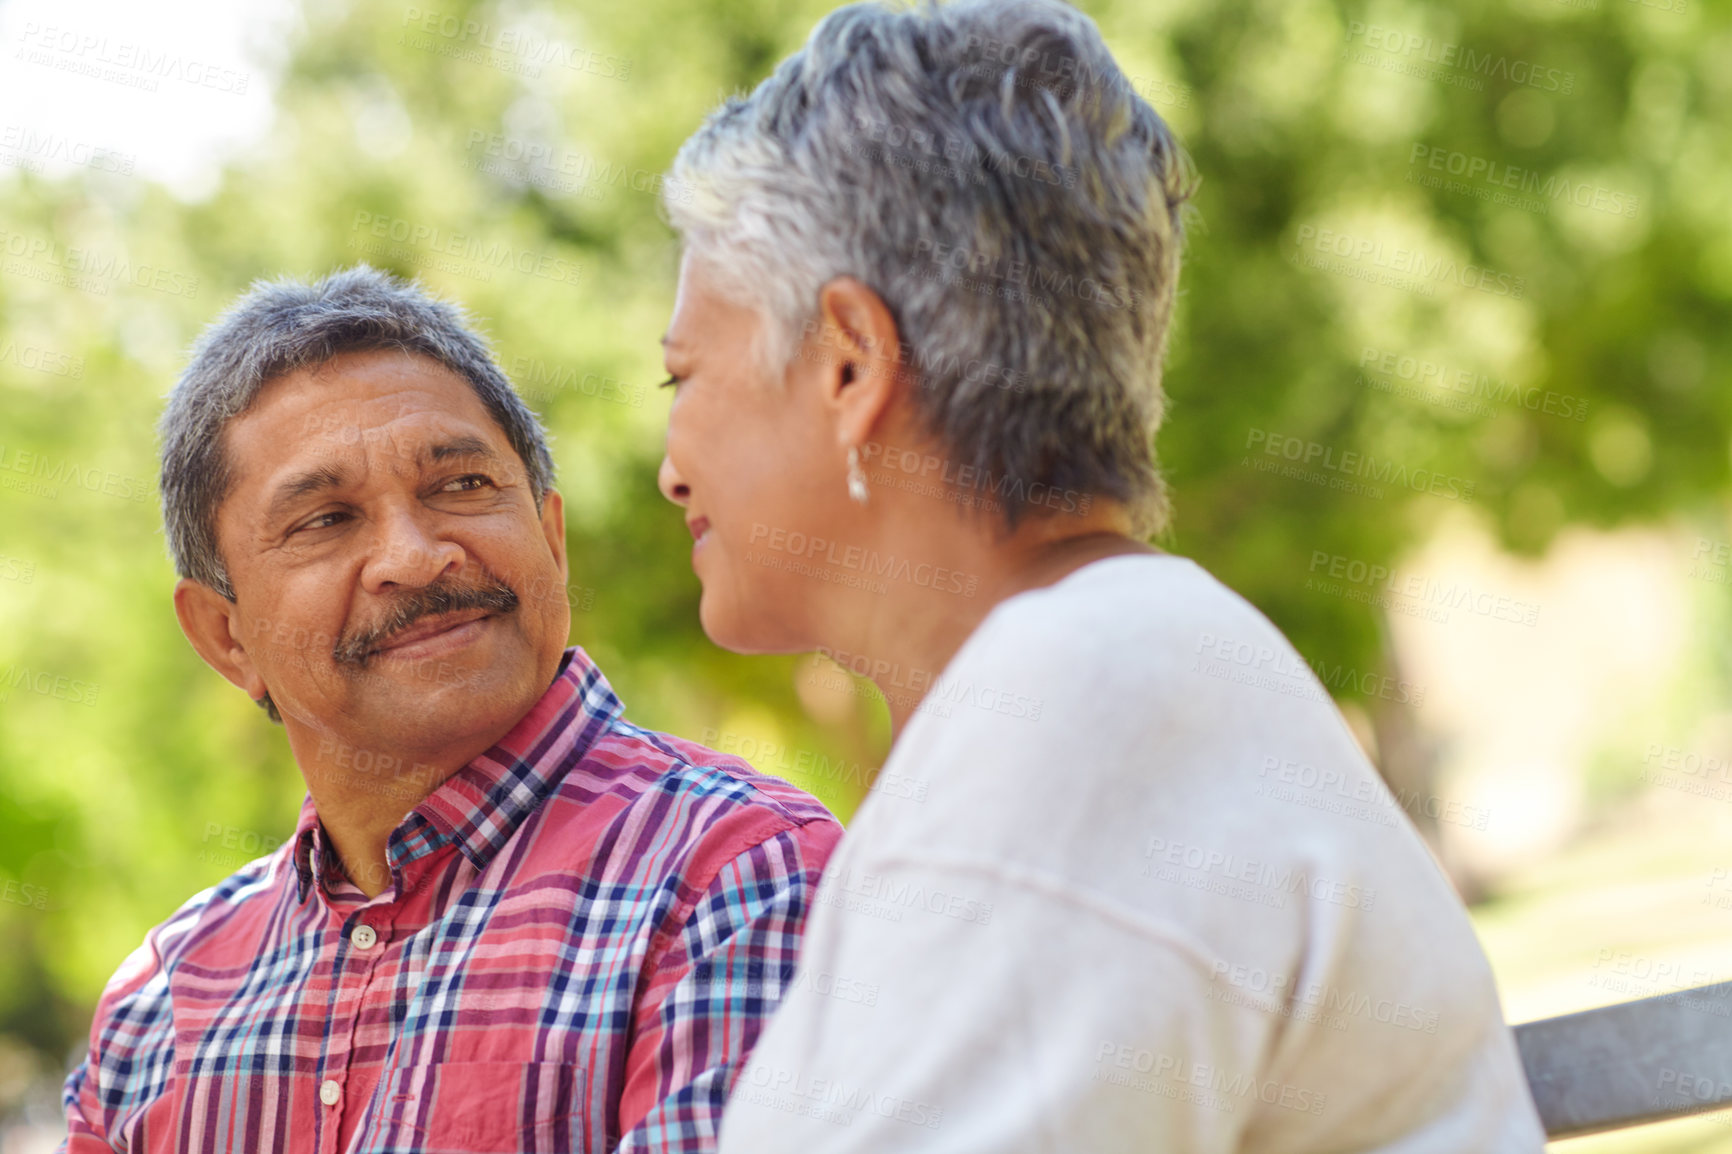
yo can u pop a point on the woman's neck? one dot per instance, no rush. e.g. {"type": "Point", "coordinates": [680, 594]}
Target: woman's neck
{"type": "Point", "coordinates": [904, 636]}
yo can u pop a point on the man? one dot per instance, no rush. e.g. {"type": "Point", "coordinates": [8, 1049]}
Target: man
{"type": "Point", "coordinates": [508, 919]}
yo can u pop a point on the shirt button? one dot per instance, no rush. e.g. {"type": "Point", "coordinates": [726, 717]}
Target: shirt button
{"type": "Point", "coordinates": [329, 1092]}
{"type": "Point", "coordinates": [363, 937]}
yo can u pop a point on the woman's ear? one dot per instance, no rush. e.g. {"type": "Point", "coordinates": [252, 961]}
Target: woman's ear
{"type": "Point", "coordinates": [865, 370]}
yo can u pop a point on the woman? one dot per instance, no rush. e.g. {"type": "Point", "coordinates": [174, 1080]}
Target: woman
{"type": "Point", "coordinates": [929, 270]}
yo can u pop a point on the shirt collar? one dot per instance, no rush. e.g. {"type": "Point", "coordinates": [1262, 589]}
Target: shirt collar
{"type": "Point", "coordinates": [481, 805]}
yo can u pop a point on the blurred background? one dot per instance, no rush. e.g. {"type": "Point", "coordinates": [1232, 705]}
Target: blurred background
{"type": "Point", "coordinates": [1485, 248]}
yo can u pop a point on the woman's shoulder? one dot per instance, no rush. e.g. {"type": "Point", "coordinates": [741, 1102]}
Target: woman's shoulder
{"type": "Point", "coordinates": [1128, 669]}
{"type": "Point", "coordinates": [1137, 612]}
{"type": "Point", "coordinates": [1107, 650]}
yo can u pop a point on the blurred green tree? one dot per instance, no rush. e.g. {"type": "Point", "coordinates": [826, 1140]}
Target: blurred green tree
{"type": "Point", "coordinates": [1371, 298]}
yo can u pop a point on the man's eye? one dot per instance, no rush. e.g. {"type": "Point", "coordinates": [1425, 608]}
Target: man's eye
{"type": "Point", "coordinates": [322, 521]}
{"type": "Point", "coordinates": [470, 483]}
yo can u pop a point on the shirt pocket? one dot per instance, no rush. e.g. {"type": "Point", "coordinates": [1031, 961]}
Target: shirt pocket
{"type": "Point", "coordinates": [479, 1108]}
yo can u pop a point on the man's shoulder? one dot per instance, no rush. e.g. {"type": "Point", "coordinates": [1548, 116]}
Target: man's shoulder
{"type": "Point", "coordinates": [248, 892]}
{"type": "Point", "coordinates": [687, 764]}
{"type": "Point", "coordinates": [711, 804]}
{"type": "Point", "coordinates": [216, 925]}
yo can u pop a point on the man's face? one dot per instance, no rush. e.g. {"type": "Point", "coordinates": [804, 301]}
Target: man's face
{"type": "Point", "coordinates": [394, 584]}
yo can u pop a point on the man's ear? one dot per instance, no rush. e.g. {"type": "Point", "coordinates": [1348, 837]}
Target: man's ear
{"type": "Point", "coordinates": [212, 623]}
{"type": "Point", "coordinates": [553, 528]}
{"type": "Point", "coordinates": [863, 371]}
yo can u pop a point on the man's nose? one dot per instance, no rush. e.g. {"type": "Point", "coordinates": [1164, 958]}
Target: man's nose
{"type": "Point", "coordinates": [672, 485]}
{"type": "Point", "coordinates": [406, 551]}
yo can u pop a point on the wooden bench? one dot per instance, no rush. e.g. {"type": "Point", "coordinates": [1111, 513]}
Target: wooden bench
{"type": "Point", "coordinates": [1632, 1063]}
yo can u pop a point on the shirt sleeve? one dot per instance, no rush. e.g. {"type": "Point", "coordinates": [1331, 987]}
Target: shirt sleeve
{"type": "Point", "coordinates": [713, 988]}
{"type": "Point", "coordinates": [983, 1031]}
{"type": "Point", "coordinates": [81, 1136]}
{"type": "Point", "coordinates": [131, 1052]}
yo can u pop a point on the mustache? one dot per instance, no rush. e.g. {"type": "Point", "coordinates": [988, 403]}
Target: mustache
{"type": "Point", "coordinates": [443, 596]}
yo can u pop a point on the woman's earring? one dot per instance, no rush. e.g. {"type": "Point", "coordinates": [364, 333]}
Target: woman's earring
{"type": "Point", "coordinates": [856, 476]}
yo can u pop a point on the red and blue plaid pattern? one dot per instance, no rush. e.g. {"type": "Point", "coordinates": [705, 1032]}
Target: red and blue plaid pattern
{"type": "Point", "coordinates": [589, 926]}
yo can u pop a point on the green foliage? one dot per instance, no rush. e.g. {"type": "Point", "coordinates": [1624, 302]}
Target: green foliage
{"type": "Point", "coordinates": [120, 808]}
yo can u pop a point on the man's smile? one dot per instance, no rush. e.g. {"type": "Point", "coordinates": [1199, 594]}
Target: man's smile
{"type": "Point", "coordinates": [435, 635]}
{"type": "Point", "coordinates": [429, 622]}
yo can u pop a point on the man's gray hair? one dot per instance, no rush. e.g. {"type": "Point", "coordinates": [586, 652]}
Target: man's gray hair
{"type": "Point", "coordinates": [987, 169]}
{"type": "Point", "coordinates": [279, 327]}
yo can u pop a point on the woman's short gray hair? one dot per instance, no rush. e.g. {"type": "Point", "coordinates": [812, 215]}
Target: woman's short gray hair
{"type": "Point", "coordinates": [283, 326]}
{"type": "Point", "coordinates": [988, 170]}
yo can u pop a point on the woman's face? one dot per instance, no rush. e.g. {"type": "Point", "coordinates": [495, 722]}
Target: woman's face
{"type": "Point", "coordinates": [755, 460]}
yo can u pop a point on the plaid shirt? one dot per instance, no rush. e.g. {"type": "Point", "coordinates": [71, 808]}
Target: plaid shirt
{"type": "Point", "coordinates": [588, 928]}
